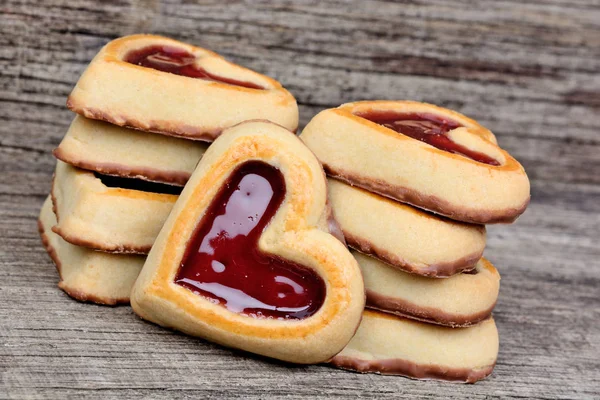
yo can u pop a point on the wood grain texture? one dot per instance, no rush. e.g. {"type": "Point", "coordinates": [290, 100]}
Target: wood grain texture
{"type": "Point", "coordinates": [528, 70]}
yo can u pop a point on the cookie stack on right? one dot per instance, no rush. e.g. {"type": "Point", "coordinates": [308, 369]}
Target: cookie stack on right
{"type": "Point", "coordinates": [412, 185]}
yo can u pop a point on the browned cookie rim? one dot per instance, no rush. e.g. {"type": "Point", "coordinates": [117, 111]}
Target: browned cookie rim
{"type": "Point", "coordinates": [437, 270]}
{"type": "Point", "coordinates": [429, 203]}
{"type": "Point", "coordinates": [432, 315]}
{"type": "Point", "coordinates": [410, 369]}
{"type": "Point", "coordinates": [190, 132]}
{"type": "Point", "coordinates": [175, 178]}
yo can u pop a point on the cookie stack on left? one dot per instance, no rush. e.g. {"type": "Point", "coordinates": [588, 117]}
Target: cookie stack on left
{"type": "Point", "coordinates": [147, 107]}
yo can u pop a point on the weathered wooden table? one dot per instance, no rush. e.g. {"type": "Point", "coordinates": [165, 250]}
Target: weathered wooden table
{"type": "Point", "coordinates": [530, 71]}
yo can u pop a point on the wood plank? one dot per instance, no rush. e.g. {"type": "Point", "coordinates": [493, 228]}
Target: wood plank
{"type": "Point", "coordinates": [527, 70]}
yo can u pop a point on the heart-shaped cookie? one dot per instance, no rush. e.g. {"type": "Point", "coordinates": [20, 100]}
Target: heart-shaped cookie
{"type": "Point", "coordinates": [421, 154]}
{"type": "Point", "coordinates": [107, 213]}
{"type": "Point", "coordinates": [461, 300]}
{"type": "Point", "coordinates": [242, 260]}
{"type": "Point", "coordinates": [85, 274]}
{"type": "Point", "coordinates": [157, 84]}
{"type": "Point", "coordinates": [405, 237]}
{"type": "Point", "coordinates": [390, 345]}
{"type": "Point", "coordinates": [112, 150]}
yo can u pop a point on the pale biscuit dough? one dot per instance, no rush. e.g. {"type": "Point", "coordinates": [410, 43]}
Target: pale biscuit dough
{"type": "Point", "coordinates": [113, 150]}
{"type": "Point", "coordinates": [292, 234]}
{"type": "Point", "coordinates": [392, 345]}
{"type": "Point", "coordinates": [366, 154]}
{"type": "Point", "coordinates": [408, 238]}
{"type": "Point", "coordinates": [130, 95]}
{"type": "Point", "coordinates": [88, 275]}
{"type": "Point", "coordinates": [119, 220]}
{"type": "Point", "coordinates": [461, 300]}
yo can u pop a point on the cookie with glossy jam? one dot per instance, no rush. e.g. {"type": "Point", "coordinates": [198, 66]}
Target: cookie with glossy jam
{"type": "Point", "coordinates": [113, 150]}
{"type": "Point", "coordinates": [421, 154]}
{"type": "Point", "coordinates": [390, 345]}
{"type": "Point", "coordinates": [462, 300]}
{"type": "Point", "coordinates": [85, 274]}
{"type": "Point", "coordinates": [157, 84]}
{"type": "Point", "coordinates": [242, 259]}
{"type": "Point", "coordinates": [107, 213]}
{"type": "Point", "coordinates": [403, 236]}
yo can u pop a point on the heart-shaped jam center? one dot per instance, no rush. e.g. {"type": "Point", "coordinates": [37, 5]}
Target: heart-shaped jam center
{"type": "Point", "coordinates": [427, 128]}
{"type": "Point", "coordinates": [223, 263]}
{"type": "Point", "coordinates": [179, 62]}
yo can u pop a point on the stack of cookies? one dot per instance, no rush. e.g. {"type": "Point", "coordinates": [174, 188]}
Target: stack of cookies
{"type": "Point", "coordinates": [114, 186]}
{"type": "Point", "coordinates": [412, 186]}
{"type": "Point", "coordinates": [243, 242]}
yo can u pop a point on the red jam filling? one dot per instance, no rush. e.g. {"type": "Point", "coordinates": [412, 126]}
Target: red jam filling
{"type": "Point", "coordinates": [179, 62]}
{"type": "Point", "coordinates": [224, 264]}
{"type": "Point", "coordinates": [427, 128]}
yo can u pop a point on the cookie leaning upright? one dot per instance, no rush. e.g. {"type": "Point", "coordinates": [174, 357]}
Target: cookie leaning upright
{"type": "Point", "coordinates": [243, 259]}
{"type": "Point", "coordinates": [157, 84]}
{"type": "Point", "coordinates": [453, 168]}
